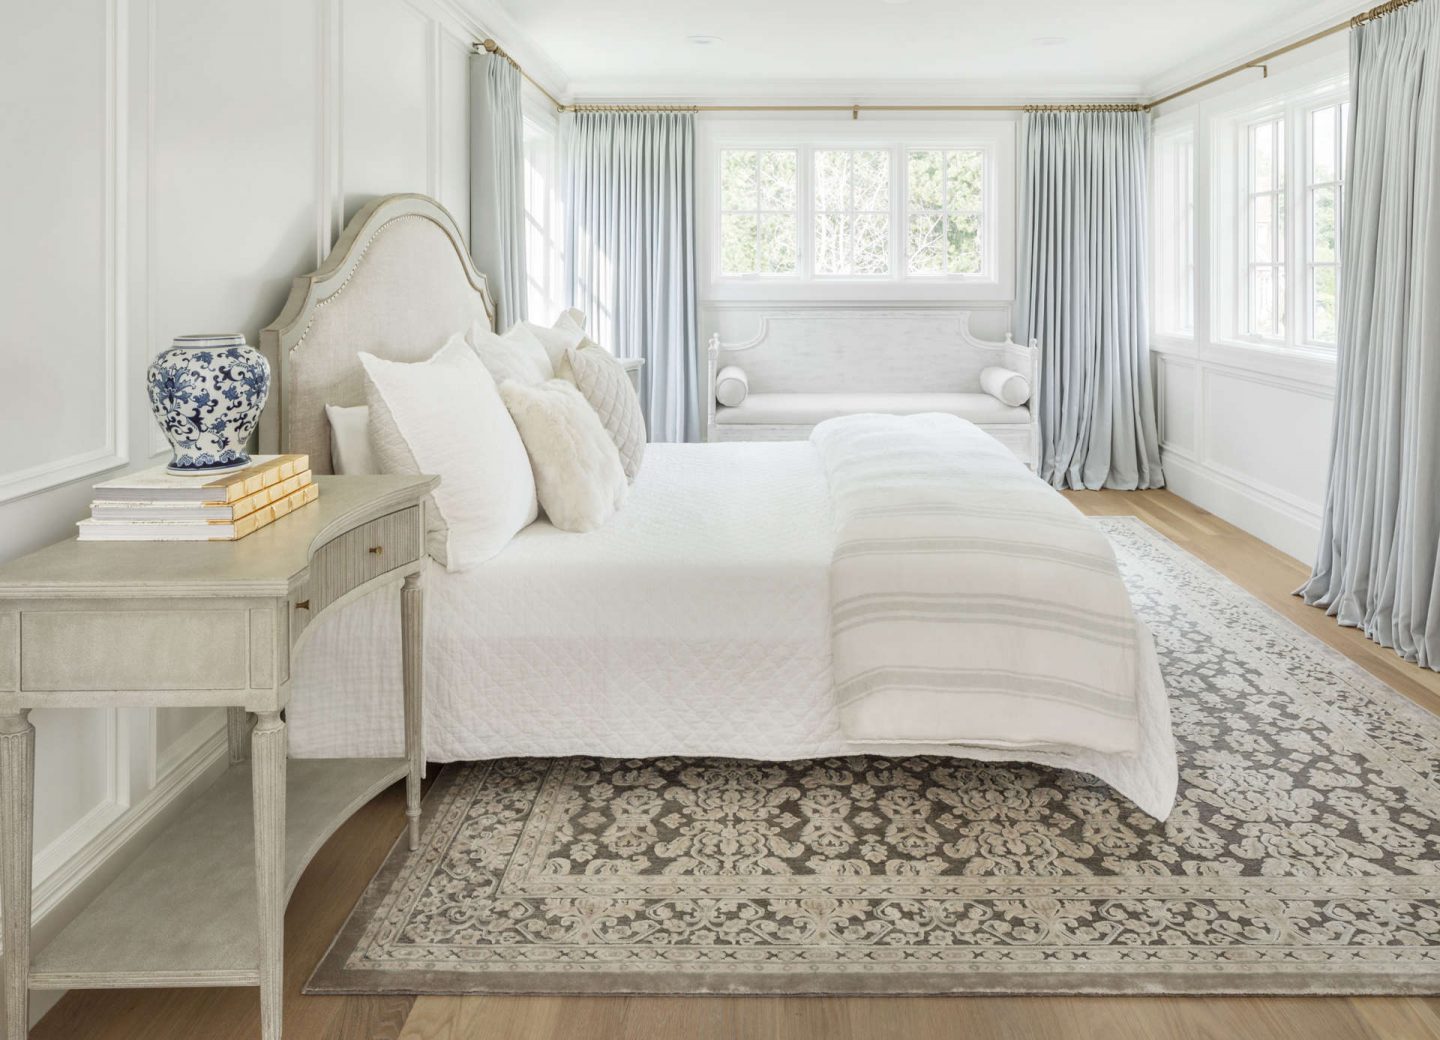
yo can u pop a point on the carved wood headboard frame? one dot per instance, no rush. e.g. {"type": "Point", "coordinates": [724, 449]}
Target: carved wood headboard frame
{"type": "Point", "coordinates": [398, 283]}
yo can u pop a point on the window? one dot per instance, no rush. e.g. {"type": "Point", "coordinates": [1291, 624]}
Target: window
{"type": "Point", "coordinates": [1175, 233]}
{"type": "Point", "coordinates": [852, 211]}
{"type": "Point", "coordinates": [945, 211]}
{"type": "Point", "coordinates": [1264, 216]}
{"type": "Point", "coordinates": [1324, 195]}
{"type": "Point", "coordinates": [820, 210]}
{"type": "Point", "coordinates": [1280, 173]}
{"type": "Point", "coordinates": [757, 218]}
{"type": "Point", "coordinates": [544, 228]}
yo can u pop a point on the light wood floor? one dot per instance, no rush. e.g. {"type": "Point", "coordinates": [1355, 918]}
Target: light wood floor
{"type": "Point", "coordinates": [339, 873]}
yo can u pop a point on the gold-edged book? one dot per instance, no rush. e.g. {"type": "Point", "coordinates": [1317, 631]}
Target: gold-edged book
{"type": "Point", "coordinates": [159, 485]}
{"type": "Point", "coordinates": [197, 512]}
{"type": "Point", "coordinates": [94, 530]}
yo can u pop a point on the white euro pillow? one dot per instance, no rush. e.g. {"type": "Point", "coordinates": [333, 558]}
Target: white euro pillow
{"type": "Point", "coordinates": [566, 334]}
{"type": "Point", "coordinates": [731, 385]}
{"type": "Point", "coordinates": [444, 416]}
{"type": "Point", "coordinates": [515, 355]}
{"type": "Point", "coordinates": [350, 451]}
{"type": "Point", "coordinates": [577, 467]}
{"type": "Point", "coordinates": [1005, 386]}
{"type": "Point", "coordinates": [605, 384]}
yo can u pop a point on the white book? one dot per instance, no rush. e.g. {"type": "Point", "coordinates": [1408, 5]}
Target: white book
{"type": "Point", "coordinates": [157, 484]}
{"type": "Point", "coordinates": [94, 530]}
{"type": "Point", "coordinates": [198, 511]}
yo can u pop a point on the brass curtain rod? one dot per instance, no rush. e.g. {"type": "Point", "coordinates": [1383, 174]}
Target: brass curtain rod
{"type": "Point", "coordinates": [1261, 63]}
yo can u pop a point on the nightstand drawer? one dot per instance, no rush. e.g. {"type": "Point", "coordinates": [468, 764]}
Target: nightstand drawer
{"type": "Point", "coordinates": [363, 554]}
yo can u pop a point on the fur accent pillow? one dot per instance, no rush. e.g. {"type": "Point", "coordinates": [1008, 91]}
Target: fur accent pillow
{"type": "Point", "coordinates": [577, 467]}
{"type": "Point", "coordinates": [445, 416]}
{"type": "Point", "coordinates": [515, 355]}
{"type": "Point", "coordinates": [606, 385]}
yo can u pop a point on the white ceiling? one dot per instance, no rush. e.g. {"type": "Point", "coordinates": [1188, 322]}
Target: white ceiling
{"type": "Point", "coordinates": [897, 48]}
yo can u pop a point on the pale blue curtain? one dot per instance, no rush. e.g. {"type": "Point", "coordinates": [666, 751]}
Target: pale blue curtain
{"type": "Point", "coordinates": [497, 183]}
{"type": "Point", "coordinates": [1376, 566]}
{"type": "Point", "coordinates": [630, 252]}
{"type": "Point", "coordinates": [1082, 294]}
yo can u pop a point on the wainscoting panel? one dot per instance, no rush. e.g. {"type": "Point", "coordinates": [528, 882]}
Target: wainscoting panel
{"type": "Point", "coordinates": [61, 292]}
{"type": "Point", "coordinates": [385, 106]}
{"type": "Point", "coordinates": [1250, 443]}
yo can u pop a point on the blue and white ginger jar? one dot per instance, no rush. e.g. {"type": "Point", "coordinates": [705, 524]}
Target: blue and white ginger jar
{"type": "Point", "coordinates": [207, 393]}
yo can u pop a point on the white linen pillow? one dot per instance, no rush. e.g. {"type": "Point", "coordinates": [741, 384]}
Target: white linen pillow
{"type": "Point", "coordinates": [515, 355]}
{"type": "Point", "coordinates": [1005, 386]}
{"type": "Point", "coordinates": [731, 385]}
{"type": "Point", "coordinates": [566, 334]}
{"type": "Point", "coordinates": [350, 451]}
{"type": "Point", "coordinates": [444, 416]}
{"type": "Point", "coordinates": [605, 384]}
{"type": "Point", "coordinates": [577, 467]}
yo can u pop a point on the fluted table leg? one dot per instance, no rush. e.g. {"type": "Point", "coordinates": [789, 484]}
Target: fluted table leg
{"type": "Point", "coordinates": [412, 639]}
{"type": "Point", "coordinates": [17, 829]}
{"type": "Point", "coordinates": [267, 753]}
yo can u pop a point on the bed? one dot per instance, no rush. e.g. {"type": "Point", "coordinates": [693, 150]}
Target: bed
{"type": "Point", "coordinates": [698, 621]}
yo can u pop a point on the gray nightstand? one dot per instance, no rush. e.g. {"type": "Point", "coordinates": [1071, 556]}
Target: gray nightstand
{"type": "Point", "coordinates": [176, 624]}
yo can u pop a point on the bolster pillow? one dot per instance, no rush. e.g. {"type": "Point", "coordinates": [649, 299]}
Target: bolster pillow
{"type": "Point", "coordinates": [1005, 386]}
{"type": "Point", "coordinates": [731, 386]}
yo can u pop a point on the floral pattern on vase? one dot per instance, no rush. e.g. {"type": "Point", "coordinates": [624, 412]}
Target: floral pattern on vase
{"type": "Point", "coordinates": [207, 392]}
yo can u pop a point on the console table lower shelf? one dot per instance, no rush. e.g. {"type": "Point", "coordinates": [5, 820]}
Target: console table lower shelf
{"type": "Point", "coordinates": [184, 912]}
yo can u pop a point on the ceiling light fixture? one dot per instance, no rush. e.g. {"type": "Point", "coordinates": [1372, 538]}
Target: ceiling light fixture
{"type": "Point", "coordinates": [701, 40]}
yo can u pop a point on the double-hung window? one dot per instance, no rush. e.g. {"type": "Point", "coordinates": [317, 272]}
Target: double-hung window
{"type": "Point", "coordinates": [1174, 233]}
{"type": "Point", "coordinates": [1279, 280]}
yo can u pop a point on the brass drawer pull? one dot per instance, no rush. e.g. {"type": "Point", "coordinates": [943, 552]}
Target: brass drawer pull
{"type": "Point", "coordinates": [302, 604]}
{"type": "Point", "coordinates": [376, 550]}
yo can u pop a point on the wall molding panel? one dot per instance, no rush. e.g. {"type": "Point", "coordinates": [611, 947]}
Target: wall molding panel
{"type": "Point", "coordinates": [111, 453]}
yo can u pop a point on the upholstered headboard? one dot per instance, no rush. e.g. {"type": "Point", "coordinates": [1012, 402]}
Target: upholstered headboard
{"type": "Point", "coordinates": [398, 284]}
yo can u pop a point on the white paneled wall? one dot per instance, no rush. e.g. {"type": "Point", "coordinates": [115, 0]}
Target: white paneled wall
{"type": "Point", "coordinates": [170, 167]}
{"type": "Point", "coordinates": [1245, 426]}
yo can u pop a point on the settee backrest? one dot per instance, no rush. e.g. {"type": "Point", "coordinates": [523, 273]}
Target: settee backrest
{"type": "Point", "coordinates": [864, 352]}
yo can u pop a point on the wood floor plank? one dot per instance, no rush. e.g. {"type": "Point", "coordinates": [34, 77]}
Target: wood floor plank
{"type": "Point", "coordinates": [340, 872]}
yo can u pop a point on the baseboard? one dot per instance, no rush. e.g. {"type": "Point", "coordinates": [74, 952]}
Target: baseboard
{"type": "Point", "coordinates": [61, 894]}
{"type": "Point", "coordinates": [1288, 527]}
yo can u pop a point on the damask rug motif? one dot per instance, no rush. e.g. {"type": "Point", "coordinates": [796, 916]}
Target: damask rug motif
{"type": "Point", "coordinates": [1303, 855]}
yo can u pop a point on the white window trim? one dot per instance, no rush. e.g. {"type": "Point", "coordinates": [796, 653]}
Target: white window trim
{"type": "Point", "coordinates": [1228, 231]}
{"type": "Point", "coordinates": [1179, 133]}
{"type": "Point", "coordinates": [995, 137]}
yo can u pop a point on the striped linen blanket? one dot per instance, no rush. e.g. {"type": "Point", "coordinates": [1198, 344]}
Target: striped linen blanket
{"type": "Point", "coordinates": [972, 604]}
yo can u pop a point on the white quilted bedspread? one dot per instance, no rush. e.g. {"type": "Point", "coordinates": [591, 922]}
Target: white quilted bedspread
{"type": "Point", "coordinates": [696, 622]}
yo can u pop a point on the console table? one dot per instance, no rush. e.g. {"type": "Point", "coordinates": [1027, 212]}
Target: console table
{"type": "Point", "coordinates": [187, 624]}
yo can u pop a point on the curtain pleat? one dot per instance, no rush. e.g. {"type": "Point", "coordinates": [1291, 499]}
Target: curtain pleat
{"type": "Point", "coordinates": [1376, 568]}
{"type": "Point", "coordinates": [497, 184]}
{"type": "Point", "coordinates": [630, 252]}
{"type": "Point", "coordinates": [1082, 294]}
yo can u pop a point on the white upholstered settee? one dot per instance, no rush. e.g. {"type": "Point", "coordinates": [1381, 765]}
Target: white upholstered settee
{"type": "Point", "coordinates": [803, 370]}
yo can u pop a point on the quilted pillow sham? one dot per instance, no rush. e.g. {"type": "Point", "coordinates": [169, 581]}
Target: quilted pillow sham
{"type": "Point", "coordinates": [445, 416]}
{"type": "Point", "coordinates": [577, 468]}
{"type": "Point", "coordinates": [606, 385]}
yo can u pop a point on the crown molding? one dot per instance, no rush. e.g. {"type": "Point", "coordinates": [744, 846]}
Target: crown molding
{"type": "Point", "coordinates": [848, 91]}
{"type": "Point", "coordinates": [1321, 14]}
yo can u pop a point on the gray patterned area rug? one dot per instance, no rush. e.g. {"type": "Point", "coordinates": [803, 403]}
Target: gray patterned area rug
{"type": "Point", "coordinates": [1303, 856]}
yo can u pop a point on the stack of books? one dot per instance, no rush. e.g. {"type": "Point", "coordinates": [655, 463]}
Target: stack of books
{"type": "Point", "coordinates": [155, 505]}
